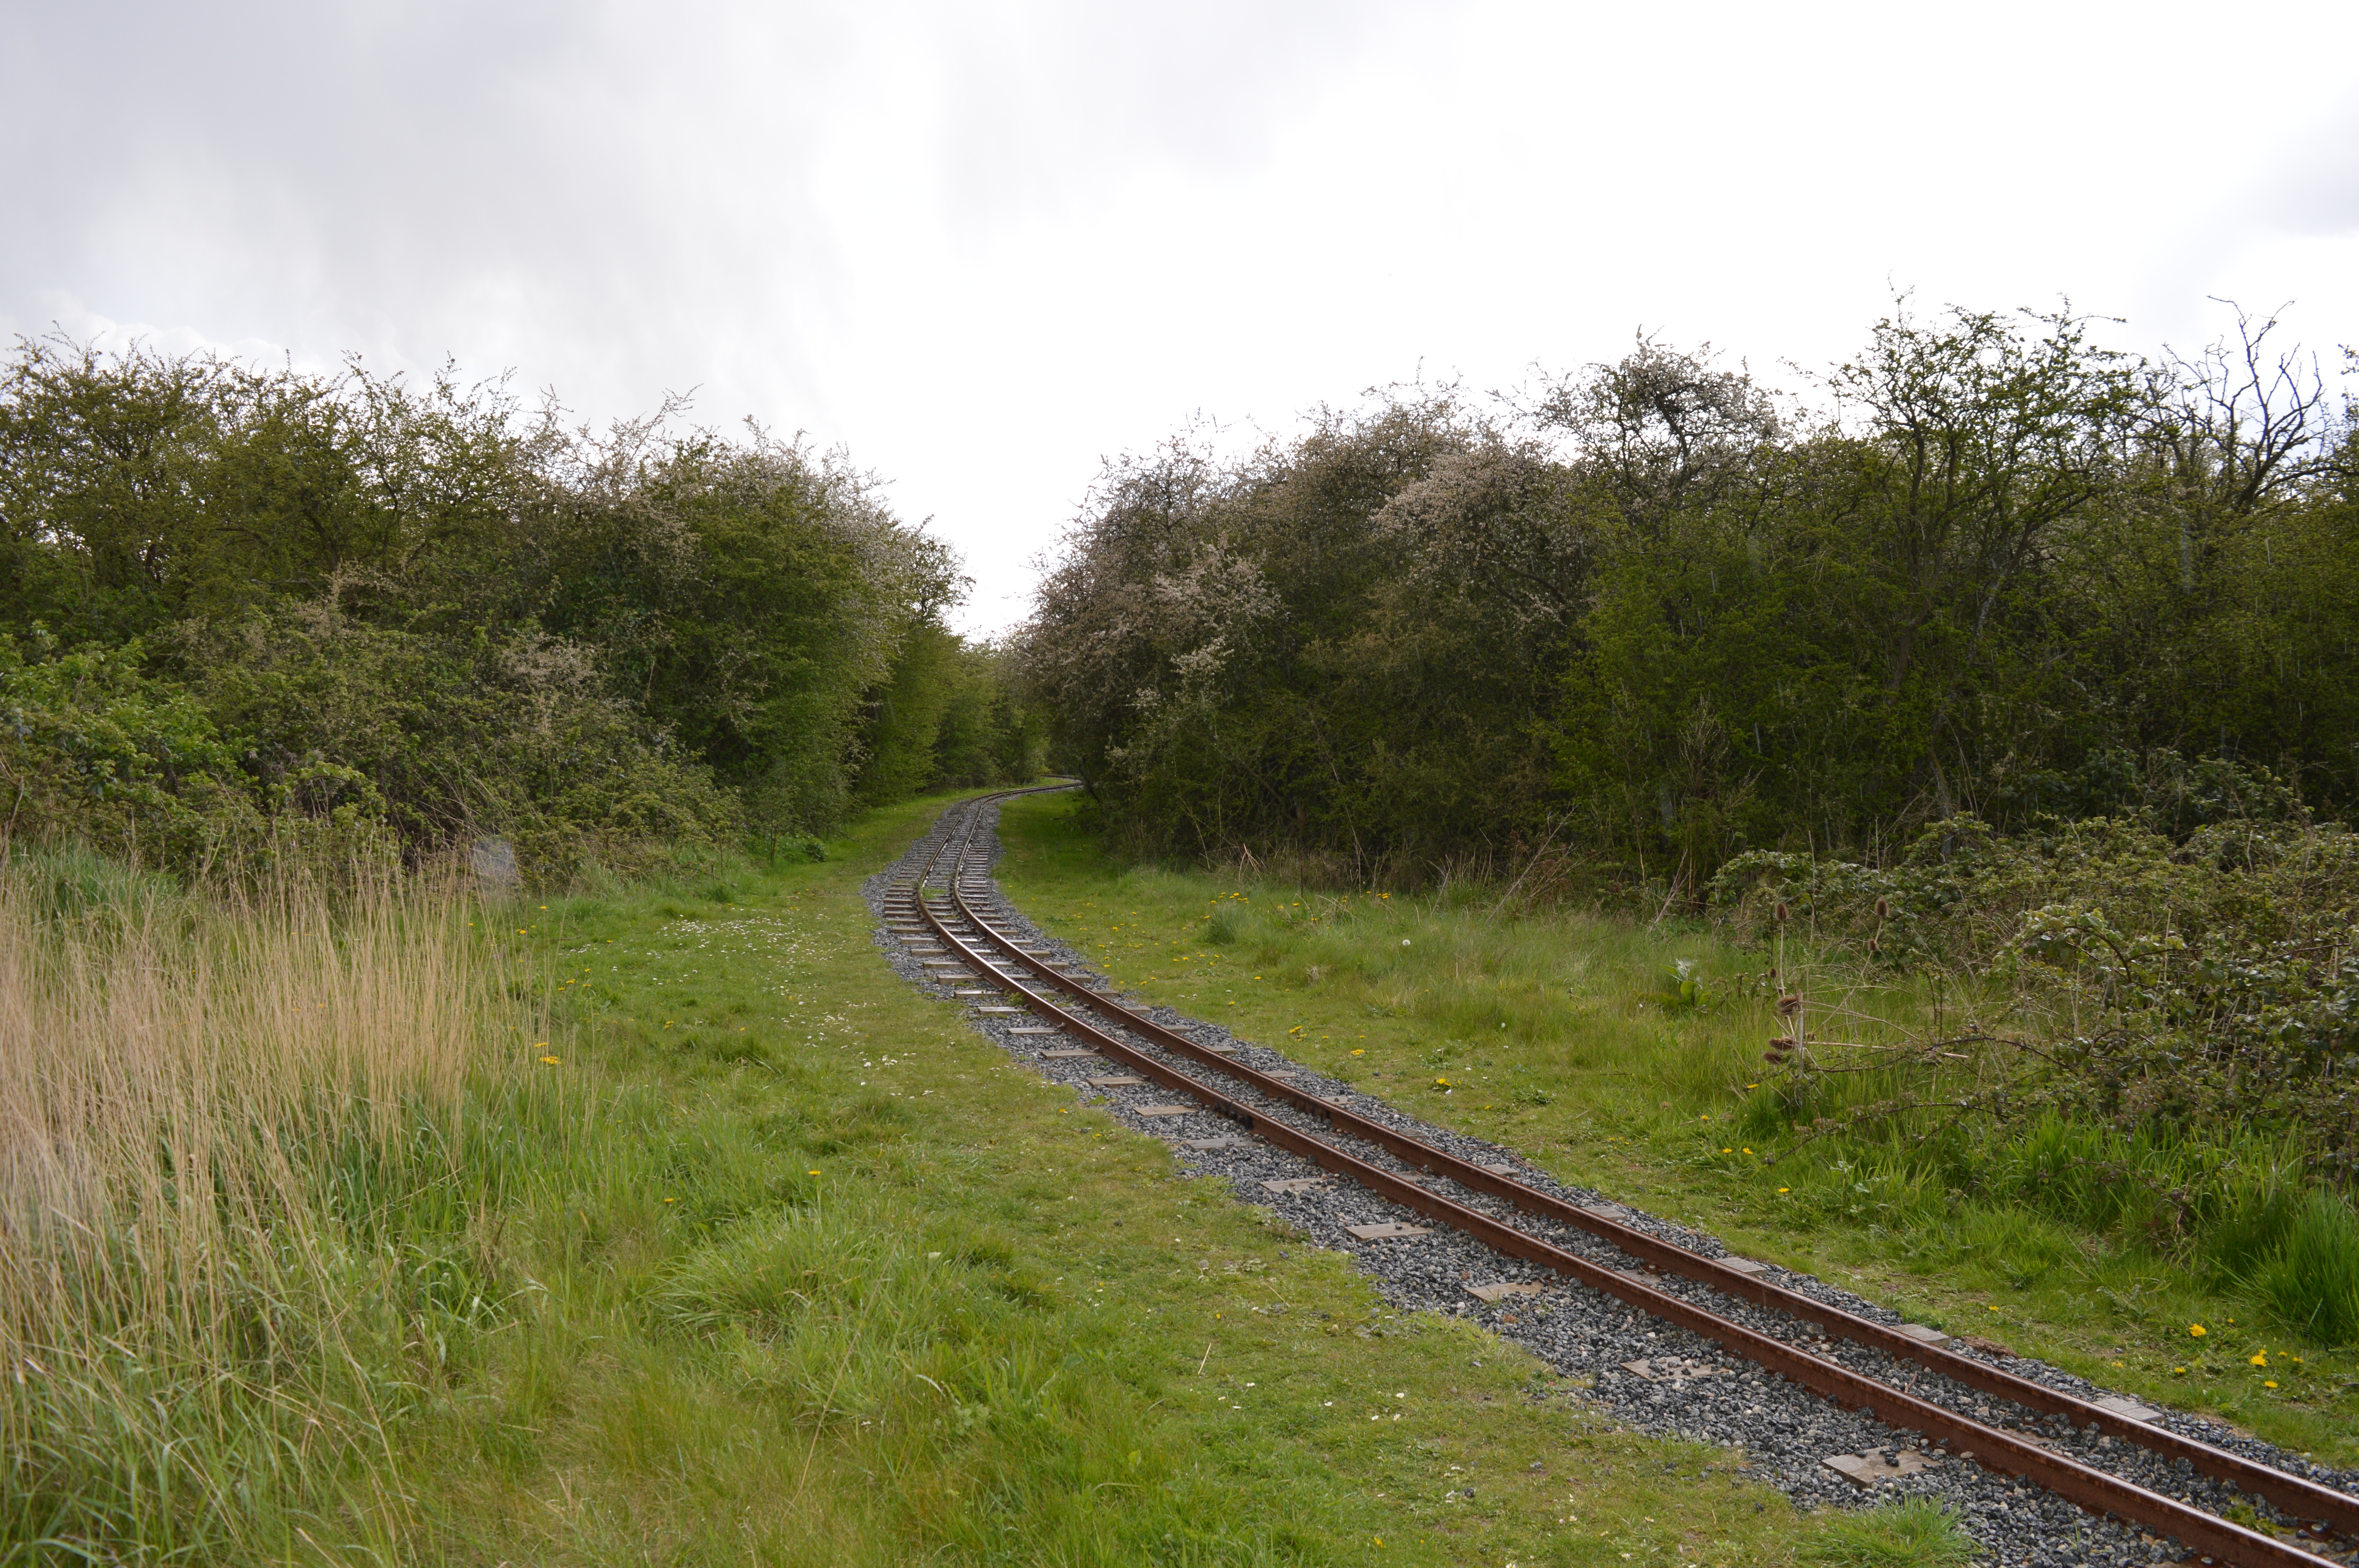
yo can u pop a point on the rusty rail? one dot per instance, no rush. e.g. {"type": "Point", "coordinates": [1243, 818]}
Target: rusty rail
{"type": "Point", "coordinates": [1991, 1447]}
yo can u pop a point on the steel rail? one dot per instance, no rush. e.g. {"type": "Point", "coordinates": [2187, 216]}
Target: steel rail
{"type": "Point", "coordinates": [2295, 1494]}
{"type": "Point", "coordinates": [1991, 1447]}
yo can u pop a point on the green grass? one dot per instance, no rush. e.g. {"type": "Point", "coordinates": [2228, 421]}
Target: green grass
{"type": "Point", "coordinates": [821, 1276]}
{"type": "Point", "coordinates": [1915, 1534]}
{"type": "Point", "coordinates": [777, 1261]}
{"type": "Point", "coordinates": [1564, 1035]}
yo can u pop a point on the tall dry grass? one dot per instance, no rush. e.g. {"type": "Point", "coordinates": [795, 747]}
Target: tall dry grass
{"type": "Point", "coordinates": [207, 1104]}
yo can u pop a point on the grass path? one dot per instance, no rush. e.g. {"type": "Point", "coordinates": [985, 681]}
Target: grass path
{"type": "Point", "coordinates": [828, 1279]}
{"type": "Point", "coordinates": [1548, 1034]}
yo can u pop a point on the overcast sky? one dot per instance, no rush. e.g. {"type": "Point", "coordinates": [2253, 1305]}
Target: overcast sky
{"type": "Point", "coordinates": [982, 245]}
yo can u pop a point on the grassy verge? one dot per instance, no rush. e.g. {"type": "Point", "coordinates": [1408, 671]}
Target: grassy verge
{"type": "Point", "coordinates": [910, 1302]}
{"type": "Point", "coordinates": [1555, 1035]}
{"type": "Point", "coordinates": [244, 1145]}
{"type": "Point", "coordinates": [674, 1228]}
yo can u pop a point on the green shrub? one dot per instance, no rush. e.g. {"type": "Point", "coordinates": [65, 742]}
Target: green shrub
{"type": "Point", "coordinates": [304, 615]}
{"type": "Point", "coordinates": [2178, 989]}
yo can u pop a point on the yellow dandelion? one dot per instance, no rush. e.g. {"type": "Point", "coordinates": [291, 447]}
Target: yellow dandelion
{"type": "Point", "coordinates": [2260, 1358]}
{"type": "Point", "coordinates": [2197, 1329]}
{"type": "Point", "coordinates": [1785, 1189]}
{"type": "Point", "coordinates": [2268, 1383]}
{"type": "Point", "coordinates": [551, 1061]}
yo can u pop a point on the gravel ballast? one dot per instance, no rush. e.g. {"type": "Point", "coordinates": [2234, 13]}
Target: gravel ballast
{"type": "Point", "coordinates": [1784, 1432]}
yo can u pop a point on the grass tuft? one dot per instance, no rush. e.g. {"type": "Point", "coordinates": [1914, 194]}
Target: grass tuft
{"type": "Point", "coordinates": [2312, 1277]}
{"type": "Point", "coordinates": [1918, 1533]}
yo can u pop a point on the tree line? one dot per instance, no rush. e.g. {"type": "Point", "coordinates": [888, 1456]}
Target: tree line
{"type": "Point", "coordinates": [245, 607]}
{"type": "Point", "coordinates": [1664, 615]}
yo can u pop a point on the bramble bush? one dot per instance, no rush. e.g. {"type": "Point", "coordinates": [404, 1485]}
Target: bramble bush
{"type": "Point", "coordinates": [2159, 1033]}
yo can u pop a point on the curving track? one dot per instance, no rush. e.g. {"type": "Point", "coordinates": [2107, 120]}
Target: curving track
{"type": "Point", "coordinates": [1515, 1213]}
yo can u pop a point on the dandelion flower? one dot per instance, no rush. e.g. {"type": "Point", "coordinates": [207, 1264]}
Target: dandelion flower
{"type": "Point", "coordinates": [2197, 1330]}
{"type": "Point", "coordinates": [2179, 1368]}
{"type": "Point", "coordinates": [2268, 1383]}
{"type": "Point", "coordinates": [551, 1061]}
{"type": "Point", "coordinates": [1728, 1150]}
{"type": "Point", "coordinates": [2260, 1358]}
{"type": "Point", "coordinates": [815, 1172]}
{"type": "Point", "coordinates": [1785, 1189]}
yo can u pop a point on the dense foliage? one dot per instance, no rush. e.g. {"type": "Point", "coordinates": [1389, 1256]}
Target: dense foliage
{"type": "Point", "coordinates": [2009, 657]}
{"type": "Point", "coordinates": [1661, 613]}
{"type": "Point", "coordinates": [2201, 985]}
{"type": "Point", "coordinates": [245, 607]}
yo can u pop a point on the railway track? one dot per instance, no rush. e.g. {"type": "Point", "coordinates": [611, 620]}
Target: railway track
{"type": "Point", "coordinates": [949, 901]}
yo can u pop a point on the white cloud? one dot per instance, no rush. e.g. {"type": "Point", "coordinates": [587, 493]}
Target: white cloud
{"type": "Point", "coordinates": [982, 244]}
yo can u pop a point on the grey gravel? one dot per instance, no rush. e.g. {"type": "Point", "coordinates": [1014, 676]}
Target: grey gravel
{"type": "Point", "coordinates": [1783, 1432]}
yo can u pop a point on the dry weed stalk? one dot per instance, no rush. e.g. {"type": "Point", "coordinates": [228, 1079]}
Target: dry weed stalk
{"type": "Point", "coordinates": [183, 1080]}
